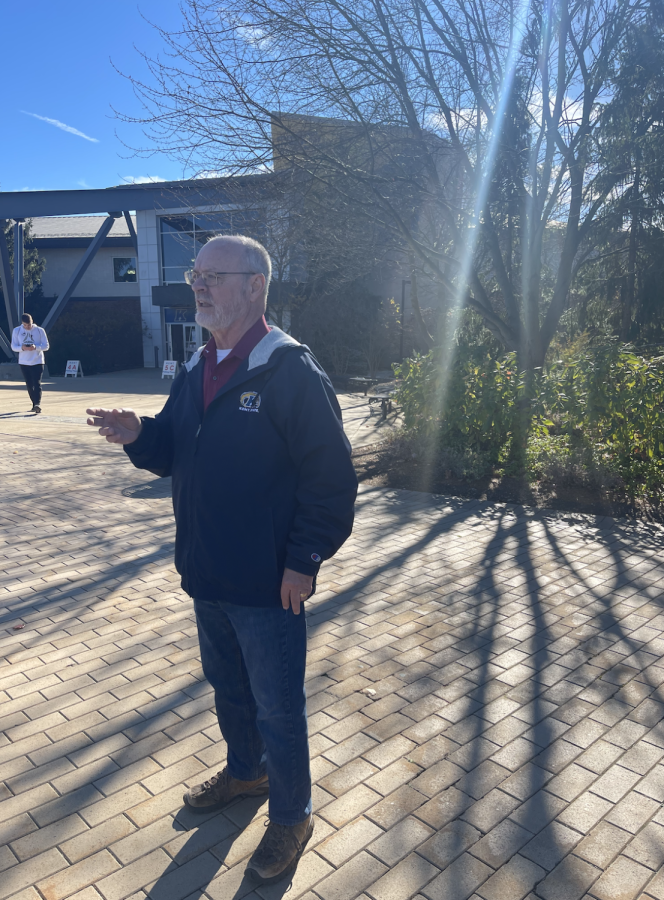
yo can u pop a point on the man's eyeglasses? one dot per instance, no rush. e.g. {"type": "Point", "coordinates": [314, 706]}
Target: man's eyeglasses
{"type": "Point", "coordinates": [210, 278]}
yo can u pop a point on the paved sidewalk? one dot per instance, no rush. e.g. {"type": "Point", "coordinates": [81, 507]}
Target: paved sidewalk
{"type": "Point", "coordinates": [66, 399]}
{"type": "Point", "coordinates": [485, 686]}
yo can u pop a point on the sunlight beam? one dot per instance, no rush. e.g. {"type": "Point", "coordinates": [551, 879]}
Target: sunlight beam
{"type": "Point", "coordinates": [484, 176]}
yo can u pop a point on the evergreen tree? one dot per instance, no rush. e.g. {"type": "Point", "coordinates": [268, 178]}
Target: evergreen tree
{"type": "Point", "coordinates": [33, 268]}
{"type": "Point", "coordinates": [622, 283]}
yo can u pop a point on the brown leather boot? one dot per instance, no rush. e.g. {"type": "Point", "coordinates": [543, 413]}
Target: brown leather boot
{"type": "Point", "coordinates": [279, 852]}
{"type": "Point", "coordinates": [221, 789]}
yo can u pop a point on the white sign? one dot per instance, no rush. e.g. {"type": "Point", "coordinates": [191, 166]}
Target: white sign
{"type": "Point", "coordinates": [74, 368]}
{"type": "Point", "coordinates": [170, 369]}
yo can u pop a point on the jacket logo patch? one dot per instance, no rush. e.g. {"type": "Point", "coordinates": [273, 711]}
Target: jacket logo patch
{"type": "Point", "coordinates": [250, 401]}
{"type": "Point", "coordinates": [316, 558]}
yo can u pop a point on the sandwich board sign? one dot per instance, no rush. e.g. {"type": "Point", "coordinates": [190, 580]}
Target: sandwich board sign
{"type": "Point", "coordinates": [170, 369]}
{"type": "Point", "coordinates": [74, 368]}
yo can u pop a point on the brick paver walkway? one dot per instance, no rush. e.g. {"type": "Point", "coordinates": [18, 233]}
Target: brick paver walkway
{"type": "Point", "coordinates": [65, 401]}
{"type": "Point", "coordinates": [485, 699]}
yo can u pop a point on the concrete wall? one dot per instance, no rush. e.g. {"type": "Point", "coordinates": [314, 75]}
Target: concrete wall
{"type": "Point", "coordinates": [97, 281]}
{"type": "Point", "coordinates": [148, 275]}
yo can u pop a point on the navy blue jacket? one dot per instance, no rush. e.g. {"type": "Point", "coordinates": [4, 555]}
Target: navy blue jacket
{"type": "Point", "coordinates": [262, 480]}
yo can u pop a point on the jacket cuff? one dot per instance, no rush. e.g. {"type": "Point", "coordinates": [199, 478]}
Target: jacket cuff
{"type": "Point", "coordinates": [142, 442]}
{"type": "Point", "coordinates": [304, 568]}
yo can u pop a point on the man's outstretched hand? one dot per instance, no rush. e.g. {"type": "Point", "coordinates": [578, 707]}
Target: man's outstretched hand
{"type": "Point", "coordinates": [118, 426]}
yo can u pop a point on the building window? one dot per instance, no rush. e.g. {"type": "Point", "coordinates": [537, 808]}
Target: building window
{"type": "Point", "coordinates": [124, 268]}
{"type": "Point", "coordinates": [183, 236]}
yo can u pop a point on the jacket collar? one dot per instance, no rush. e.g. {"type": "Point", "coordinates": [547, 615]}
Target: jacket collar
{"type": "Point", "coordinates": [264, 349]}
{"type": "Point", "coordinates": [261, 353]}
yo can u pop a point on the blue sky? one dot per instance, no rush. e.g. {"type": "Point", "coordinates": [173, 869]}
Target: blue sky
{"type": "Point", "coordinates": [57, 65]}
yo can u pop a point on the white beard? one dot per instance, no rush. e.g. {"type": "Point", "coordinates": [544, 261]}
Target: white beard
{"type": "Point", "coordinates": [216, 318]}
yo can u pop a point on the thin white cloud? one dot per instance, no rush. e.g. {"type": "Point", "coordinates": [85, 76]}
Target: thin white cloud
{"type": "Point", "coordinates": [61, 126]}
{"type": "Point", "coordinates": [142, 179]}
{"type": "Point", "coordinates": [254, 35]}
{"type": "Point", "coordinates": [228, 173]}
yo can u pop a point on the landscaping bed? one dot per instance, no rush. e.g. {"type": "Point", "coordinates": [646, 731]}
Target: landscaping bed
{"type": "Point", "coordinates": [399, 463]}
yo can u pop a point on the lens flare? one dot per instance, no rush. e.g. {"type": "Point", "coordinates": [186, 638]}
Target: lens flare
{"type": "Point", "coordinates": [484, 176]}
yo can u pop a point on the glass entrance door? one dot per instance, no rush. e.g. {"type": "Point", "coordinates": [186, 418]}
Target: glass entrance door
{"type": "Point", "coordinates": [182, 341]}
{"type": "Point", "coordinates": [183, 335]}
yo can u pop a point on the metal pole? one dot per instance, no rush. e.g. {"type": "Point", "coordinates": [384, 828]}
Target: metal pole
{"type": "Point", "coordinates": [19, 288]}
{"type": "Point", "coordinates": [80, 270]}
{"type": "Point", "coordinates": [5, 346]}
{"type": "Point", "coordinates": [6, 277]}
{"type": "Point", "coordinates": [132, 232]}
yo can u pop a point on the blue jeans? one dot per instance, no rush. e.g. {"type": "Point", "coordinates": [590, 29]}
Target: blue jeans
{"type": "Point", "coordinates": [255, 658]}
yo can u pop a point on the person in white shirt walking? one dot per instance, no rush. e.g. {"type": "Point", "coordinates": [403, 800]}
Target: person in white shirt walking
{"type": "Point", "coordinates": [30, 341]}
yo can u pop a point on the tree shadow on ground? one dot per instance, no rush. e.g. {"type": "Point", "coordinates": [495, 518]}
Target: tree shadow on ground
{"type": "Point", "coordinates": [555, 658]}
{"type": "Point", "coordinates": [214, 843]}
{"type": "Point", "coordinates": [504, 603]}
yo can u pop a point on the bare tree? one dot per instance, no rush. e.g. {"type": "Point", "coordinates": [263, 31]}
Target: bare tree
{"type": "Point", "coordinates": [463, 129]}
{"type": "Point", "coordinates": [320, 248]}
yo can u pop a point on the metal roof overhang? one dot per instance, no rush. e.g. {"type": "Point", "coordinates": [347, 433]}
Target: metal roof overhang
{"type": "Point", "coordinates": [179, 296]}
{"type": "Point", "coordinates": [192, 195]}
{"type": "Point", "coordinates": [160, 195]}
{"type": "Point", "coordinates": [78, 243]}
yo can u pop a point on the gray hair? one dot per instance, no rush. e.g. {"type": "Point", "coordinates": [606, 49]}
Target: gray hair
{"type": "Point", "coordinates": [256, 257]}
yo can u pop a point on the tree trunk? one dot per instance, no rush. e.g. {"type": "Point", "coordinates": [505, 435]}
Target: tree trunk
{"type": "Point", "coordinates": [422, 336]}
{"type": "Point", "coordinates": [628, 294]}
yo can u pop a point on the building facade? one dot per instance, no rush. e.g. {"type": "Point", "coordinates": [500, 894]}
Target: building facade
{"type": "Point", "coordinates": [168, 243]}
{"type": "Point", "coordinates": [62, 240]}
{"type": "Point", "coordinates": [125, 267]}
{"type": "Point", "coordinates": [137, 253]}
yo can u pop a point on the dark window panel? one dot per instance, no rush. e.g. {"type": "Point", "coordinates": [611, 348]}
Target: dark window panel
{"type": "Point", "coordinates": [220, 222]}
{"type": "Point", "coordinates": [124, 269]}
{"type": "Point", "coordinates": [178, 250]}
{"type": "Point", "coordinates": [174, 274]}
{"type": "Point", "coordinates": [170, 224]}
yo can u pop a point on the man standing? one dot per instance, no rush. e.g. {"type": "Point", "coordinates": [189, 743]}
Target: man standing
{"type": "Point", "coordinates": [263, 491]}
{"type": "Point", "coordinates": [30, 341]}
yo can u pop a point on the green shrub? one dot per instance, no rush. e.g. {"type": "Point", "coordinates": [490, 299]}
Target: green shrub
{"type": "Point", "coordinates": [406, 449]}
{"type": "Point", "coordinates": [596, 418]}
{"type": "Point", "coordinates": [467, 403]}
{"type": "Point", "coordinates": [567, 461]}
{"type": "Point", "coordinates": [614, 397]}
